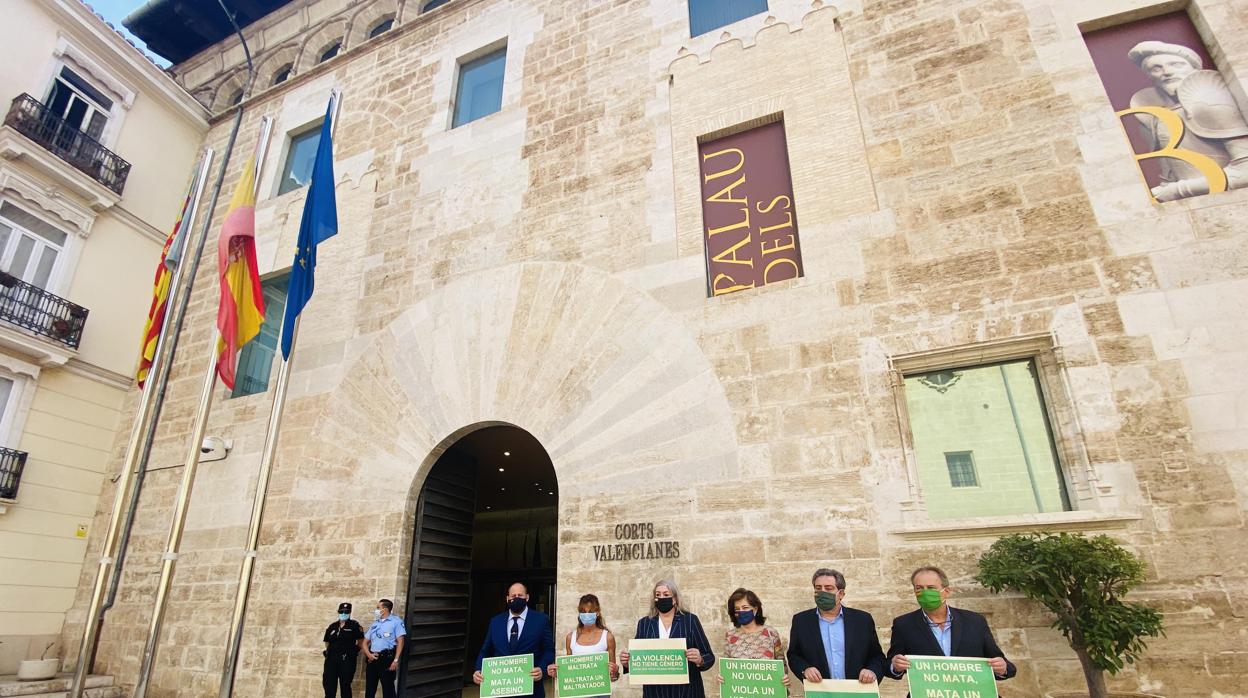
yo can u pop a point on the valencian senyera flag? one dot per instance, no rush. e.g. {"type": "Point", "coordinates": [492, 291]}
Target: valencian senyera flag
{"type": "Point", "coordinates": [241, 311]}
{"type": "Point", "coordinates": [320, 222]}
{"type": "Point", "coordinates": [161, 288]}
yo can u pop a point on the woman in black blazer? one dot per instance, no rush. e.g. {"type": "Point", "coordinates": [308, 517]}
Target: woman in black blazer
{"type": "Point", "coordinates": [668, 619]}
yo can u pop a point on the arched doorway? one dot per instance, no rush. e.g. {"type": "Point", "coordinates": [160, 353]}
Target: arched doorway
{"type": "Point", "coordinates": [487, 516]}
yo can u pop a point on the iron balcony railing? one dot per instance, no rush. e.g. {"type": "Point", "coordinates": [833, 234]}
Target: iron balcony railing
{"type": "Point", "coordinates": [35, 121]}
{"type": "Point", "coordinates": [47, 314]}
{"type": "Point", "coordinates": [12, 462]}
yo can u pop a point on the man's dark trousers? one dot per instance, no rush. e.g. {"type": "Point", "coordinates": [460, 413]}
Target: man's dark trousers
{"type": "Point", "coordinates": [339, 671]}
{"type": "Point", "coordinates": [379, 670]}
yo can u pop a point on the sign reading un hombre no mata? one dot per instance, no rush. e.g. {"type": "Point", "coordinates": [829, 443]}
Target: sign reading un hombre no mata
{"type": "Point", "coordinates": [749, 223]}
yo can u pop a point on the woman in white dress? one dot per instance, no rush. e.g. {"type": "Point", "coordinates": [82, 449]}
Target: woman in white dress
{"type": "Point", "coordinates": [590, 635]}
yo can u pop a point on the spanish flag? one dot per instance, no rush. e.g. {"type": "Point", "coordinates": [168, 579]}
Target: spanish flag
{"type": "Point", "coordinates": [169, 258]}
{"type": "Point", "coordinates": [242, 302]}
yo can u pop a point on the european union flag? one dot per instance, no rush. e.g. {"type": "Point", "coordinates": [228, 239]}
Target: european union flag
{"type": "Point", "coordinates": [320, 222]}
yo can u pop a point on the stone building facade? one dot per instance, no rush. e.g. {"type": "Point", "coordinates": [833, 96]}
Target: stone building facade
{"type": "Point", "coordinates": [966, 198]}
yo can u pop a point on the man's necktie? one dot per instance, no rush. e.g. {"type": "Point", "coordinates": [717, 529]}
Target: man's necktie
{"type": "Point", "coordinates": [515, 633]}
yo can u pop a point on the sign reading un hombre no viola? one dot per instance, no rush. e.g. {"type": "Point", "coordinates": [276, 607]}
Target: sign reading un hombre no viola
{"type": "Point", "coordinates": [507, 676]}
{"type": "Point", "coordinates": [749, 223]}
{"type": "Point", "coordinates": [951, 677]}
{"type": "Point", "coordinates": [752, 678]}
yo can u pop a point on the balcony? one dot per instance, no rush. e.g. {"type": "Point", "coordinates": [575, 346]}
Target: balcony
{"type": "Point", "coordinates": [12, 462]}
{"type": "Point", "coordinates": [43, 313]}
{"type": "Point", "coordinates": [32, 119]}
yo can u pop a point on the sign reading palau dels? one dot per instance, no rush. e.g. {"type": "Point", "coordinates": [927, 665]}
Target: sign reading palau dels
{"type": "Point", "coordinates": [752, 678]}
{"type": "Point", "coordinates": [507, 676]}
{"type": "Point", "coordinates": [583, 675]}
{"type": "Point", "coordinates": [657, 662]}
{"type": "Point", "coordinates": [748, 218]}
{"type": "Point", "coordinates": [951, 677]}
{"type": "Point", "coordinates": [840, 688]}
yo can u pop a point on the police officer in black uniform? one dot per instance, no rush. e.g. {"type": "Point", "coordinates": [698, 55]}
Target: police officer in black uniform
{"type": "Point", "coordinates": [342, 643]}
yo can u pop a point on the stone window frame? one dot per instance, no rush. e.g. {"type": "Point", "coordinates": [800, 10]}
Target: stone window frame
{"type": "Point", "coordinates": [1079, 475]}
{"type": "Point", "coordinates": [25, 377]}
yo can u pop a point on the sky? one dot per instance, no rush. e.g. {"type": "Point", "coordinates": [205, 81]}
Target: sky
{"type": "Point", "coordinates": [115, 11]}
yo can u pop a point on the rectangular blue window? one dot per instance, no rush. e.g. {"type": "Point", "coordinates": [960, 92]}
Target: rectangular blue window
{"type": "Point", "coordinates": [255, 360]}
{"type": "Point", "coordinates": [709, 15]}
{"type": "Point", "coordinates": [480, 91]}
{"type": "Point", "coordinates": [297, 171]}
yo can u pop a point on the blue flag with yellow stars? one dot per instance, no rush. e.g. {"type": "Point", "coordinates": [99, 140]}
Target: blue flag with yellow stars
{"type": "Point", "coordinates": [320, 222]}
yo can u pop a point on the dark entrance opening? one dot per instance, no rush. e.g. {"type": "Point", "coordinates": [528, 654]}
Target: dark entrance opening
{"type": "Point", "coordinates": [487, 516]}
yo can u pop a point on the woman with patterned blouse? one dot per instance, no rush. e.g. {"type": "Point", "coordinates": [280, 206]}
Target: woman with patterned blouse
{"type": "Point", "coordinates": [750, 637]}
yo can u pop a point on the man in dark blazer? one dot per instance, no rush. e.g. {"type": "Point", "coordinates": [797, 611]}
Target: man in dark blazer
{"type": "Point", "coordinates": [833, 641]}
{"type": "Point", "coordinates": [937, 630]}
{"type": "Point", "coordinates": [519, 630]}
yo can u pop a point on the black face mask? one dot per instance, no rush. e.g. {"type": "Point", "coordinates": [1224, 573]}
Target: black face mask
{"type": "Point", "coordinates": [517, 604]}
{"type": "Point", "coordinates": [664, 604]}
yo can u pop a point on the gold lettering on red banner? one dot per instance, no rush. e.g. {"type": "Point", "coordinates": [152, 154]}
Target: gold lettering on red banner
{"type": "Point", "coordinates": [749, 225]}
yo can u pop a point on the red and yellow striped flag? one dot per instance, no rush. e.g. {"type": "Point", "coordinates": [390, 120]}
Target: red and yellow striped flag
{"type": "Point", "coordinates": [160, 294]}
{"type": "Point", "coordinates": [241, 311]}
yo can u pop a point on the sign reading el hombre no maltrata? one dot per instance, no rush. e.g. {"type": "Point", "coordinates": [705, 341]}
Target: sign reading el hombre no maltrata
{"type": "Point", "coordinates": [507, 676]}
{"type": "Point", "coordinates": [583, 675]}
{"type": "Point", "coordinates": [951, 677]}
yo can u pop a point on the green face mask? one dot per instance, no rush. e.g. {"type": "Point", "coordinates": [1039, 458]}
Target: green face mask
{"type": "Point", "coordinates": [929, 599]}
{"type": "Point", "coordinates": [825, 600]}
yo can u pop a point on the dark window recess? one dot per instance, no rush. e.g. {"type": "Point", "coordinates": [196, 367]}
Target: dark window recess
{"type": "Point", "coordinates": [331, 52]}
{"type": "Point", "coordinates": [382, 27]}
{"type": "Point", "coordinates": [281, 75]}
{"type": "Point", "coordinates": [433, 4]}
{"type": "Point", "coordinates": [236, 98]}
{"type": "Point", "coordinates": [67, 141]}
{"type": "Point", "coordinates": [709, 15]}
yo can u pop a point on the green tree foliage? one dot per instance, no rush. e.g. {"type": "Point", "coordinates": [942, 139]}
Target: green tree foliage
{"type": "Point", "coordinates": [1081, 581]}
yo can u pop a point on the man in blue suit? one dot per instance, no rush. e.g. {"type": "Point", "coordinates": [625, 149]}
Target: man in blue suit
{"type": "Point", "coordinates": [519, 630]}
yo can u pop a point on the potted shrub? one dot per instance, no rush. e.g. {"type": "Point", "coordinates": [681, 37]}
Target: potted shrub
{"type": "Point", "coordinates": [1081, 581]}
{"type": "Point", "coordinates": [39, 669]}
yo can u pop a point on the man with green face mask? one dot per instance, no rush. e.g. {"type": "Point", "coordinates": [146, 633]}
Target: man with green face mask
{"type": "Point", "coordinates": [936, 630]}
{"type": "Point", "coordinates": [833, 641]}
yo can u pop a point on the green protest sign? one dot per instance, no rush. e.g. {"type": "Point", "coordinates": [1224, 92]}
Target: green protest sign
{"type": "Point", "coordinates": [951, 677]}
{"type": "Point", "coordinates": [752, 678]}
{"type": "Point", "coordinates": [657, 662]}
{"type": "Point", "coordinates": [583, 675]}
{"type": "Point", "coordinates": [507, 676]}
{"type": "Point", "coordinates": [840, 688]}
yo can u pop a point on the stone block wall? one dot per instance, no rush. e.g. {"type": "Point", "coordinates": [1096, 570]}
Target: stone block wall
{"type": "Point", "coordinates": [959, 179]}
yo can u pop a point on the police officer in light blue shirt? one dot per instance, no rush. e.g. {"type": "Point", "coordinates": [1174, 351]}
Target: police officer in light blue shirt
{"type": "Point", "coordinates": [384, 640]}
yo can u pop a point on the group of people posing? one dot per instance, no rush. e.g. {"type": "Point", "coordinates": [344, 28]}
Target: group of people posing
{"type": "Point", "coordinates": [829, 641]}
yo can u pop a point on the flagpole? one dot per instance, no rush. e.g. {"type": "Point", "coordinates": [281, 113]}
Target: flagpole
{"type": "Point", "coordinates": [144, 423]}
{"type": "Point", "coordinates": [179, 520]}
{"type": "Point", "coordinates": [229, 671]}
{"type": "Point", "coordinates": [158, 377]}
{"type": "Point", "coordinates": [190, 467]}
